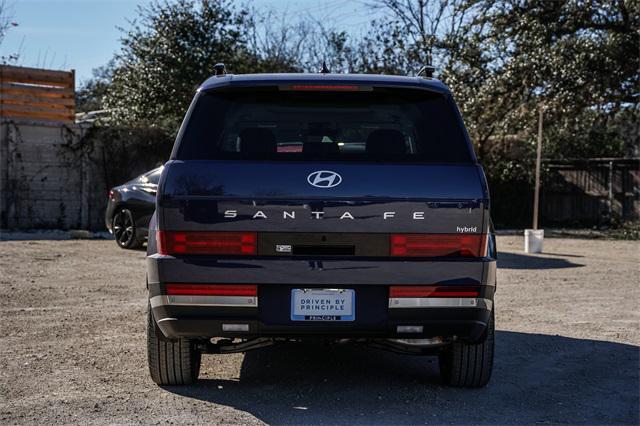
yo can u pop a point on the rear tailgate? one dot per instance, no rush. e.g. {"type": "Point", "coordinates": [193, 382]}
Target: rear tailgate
{"type": "Point", "coordinates": [276, 197]}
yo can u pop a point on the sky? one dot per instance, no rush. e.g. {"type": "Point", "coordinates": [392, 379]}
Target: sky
{"type": "Point", "coordinates": [83, 34]}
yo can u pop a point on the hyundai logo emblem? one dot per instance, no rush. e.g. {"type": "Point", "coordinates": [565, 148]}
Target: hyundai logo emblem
{"type": "Point", "coordinates": [324, 179]}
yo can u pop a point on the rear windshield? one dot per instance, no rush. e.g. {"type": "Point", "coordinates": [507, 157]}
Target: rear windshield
{"type": "Point", "coordinates": [374, 125]}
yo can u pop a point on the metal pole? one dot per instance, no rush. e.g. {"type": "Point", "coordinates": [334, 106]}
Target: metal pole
{"type": "Point", "coordinates": [4, 173]}
{"type": "Point", "coordinates": [84, 184]}
{"type": "Point", "coordinates": [610, 194]}
{"type": "Point", "coordinates": [536, 197]}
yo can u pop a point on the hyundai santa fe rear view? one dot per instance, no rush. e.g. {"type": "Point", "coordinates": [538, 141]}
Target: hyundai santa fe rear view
{"type": "Point", "coordinates": [322, 207]}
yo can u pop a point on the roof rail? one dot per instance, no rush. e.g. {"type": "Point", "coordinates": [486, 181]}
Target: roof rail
{"type": "Point", "coordinates": [427, 70]}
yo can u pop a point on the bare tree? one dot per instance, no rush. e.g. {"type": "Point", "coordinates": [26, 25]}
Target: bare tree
{"type": "Point", "coordinates": [279, 39]}
{"type": "Point", "coordinates": [6, 23]}
{"type": "Point", "coordinates": [428, 27]}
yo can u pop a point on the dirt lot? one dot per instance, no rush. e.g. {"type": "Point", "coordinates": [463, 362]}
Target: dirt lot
{"type": "Point", "coordinates": [72, 349]}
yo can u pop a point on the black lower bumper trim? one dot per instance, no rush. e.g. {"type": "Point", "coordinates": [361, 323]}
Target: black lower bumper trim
{"type": "Point", "coordinates": [209, 328]}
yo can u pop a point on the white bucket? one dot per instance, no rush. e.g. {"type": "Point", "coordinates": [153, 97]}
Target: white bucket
{"type": "Point", "coordinates": [533, 240]}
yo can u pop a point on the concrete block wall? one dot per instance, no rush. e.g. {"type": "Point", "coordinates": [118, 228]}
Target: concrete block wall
{"type": "Point", "coordinates": [43, 180]}
{"type": "Point", "coordinates": [53, 175]}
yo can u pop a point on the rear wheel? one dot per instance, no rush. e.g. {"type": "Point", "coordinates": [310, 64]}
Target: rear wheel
{"type": "Point", "coordinates": [467, 364]}
{"type": "Point", "coordinates": [171, 362]}
{"type": "Point", "coordinates": [124, 229]}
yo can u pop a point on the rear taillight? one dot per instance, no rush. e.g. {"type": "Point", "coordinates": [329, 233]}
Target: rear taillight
{"type": "Point", "coordinates": [178, 289]}
{"type": "Point", "coordinates": [225, 243]}
{"type": "Point", "coordinates": [437, 245]}
{"type": "Point", "coordinates": [401, 291]}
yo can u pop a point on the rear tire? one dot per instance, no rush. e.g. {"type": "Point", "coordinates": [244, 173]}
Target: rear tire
{"type": "Point", "coordinates": [124, 229]}
{"type": "Point", "coordinates": [469, 364]}
{"type": "Point", "coordinates": [171, 362]}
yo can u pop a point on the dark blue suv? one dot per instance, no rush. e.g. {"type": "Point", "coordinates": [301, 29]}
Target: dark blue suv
{"type": "Point", "coordinates": [324, 207]}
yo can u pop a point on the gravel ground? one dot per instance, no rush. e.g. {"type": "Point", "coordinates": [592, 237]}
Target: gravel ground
{"type": "Point", "coordinates": [72, 349]}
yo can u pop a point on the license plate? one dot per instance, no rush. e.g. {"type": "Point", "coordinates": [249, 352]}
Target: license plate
{"type": "Point", "coordinates": [310, 304]}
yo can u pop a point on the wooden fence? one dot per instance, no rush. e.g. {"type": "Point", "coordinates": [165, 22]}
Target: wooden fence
{"type": "Point", "coordinates": [591, 192]}
{"type": "Point", "coordinates": [36, 94]}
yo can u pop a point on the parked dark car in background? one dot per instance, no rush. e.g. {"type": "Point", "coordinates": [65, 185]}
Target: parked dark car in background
{"type": "Point", "coordinates": [130, 207]}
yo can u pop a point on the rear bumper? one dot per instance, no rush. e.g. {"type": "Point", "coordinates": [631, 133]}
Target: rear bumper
{"type": "Point", "coordinates": [444, 322]}
{"type": "Point", "coordinates": [268, 314]}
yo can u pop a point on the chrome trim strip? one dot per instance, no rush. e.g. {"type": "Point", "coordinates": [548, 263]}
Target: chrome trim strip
{"type": "Point", "coordinates": [440, 302]}
{"type": "Point", "coordinates": [156, 301]}
{"type": "Point", "coordinates": [168, 319]}
{"type": "Point", "coordinates": [225, 301]}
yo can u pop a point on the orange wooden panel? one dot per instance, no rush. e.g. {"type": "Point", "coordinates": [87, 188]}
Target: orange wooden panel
{"type": "Point", "coordinates": [35, 113]}
{"type": "Point", "coordinates": [36, 101]}
{"type": "Point", "coordinates": [37, 94]}
{"type": "Point", "coordinates": [39, 116]}
{"type": "Point", "coordinates": [36, 76]}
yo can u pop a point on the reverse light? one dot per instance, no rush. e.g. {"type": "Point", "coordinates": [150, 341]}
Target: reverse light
{"type": "Point", "coordinates": [437, 245]}
{"type": "Point", "coordinates": [410, 329]}
{"type": "Point", "coordinates": [181, 289]}
{"type": "Point", "coordinates": [235, 327]}
{"type": "Point", "coordinates": [404, 291]}
{"type": "Point", "coordinates": [197, 242]}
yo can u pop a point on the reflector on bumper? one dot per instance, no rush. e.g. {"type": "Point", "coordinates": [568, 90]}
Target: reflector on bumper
{"type": "Point", "coordinates": [229, 295]}
{"type": "Point", "coordinates": [430, 296]}
{"type": "Point", "coordinates": [422, 302]}
{"type": "Point", "coordinates": [221, 301]}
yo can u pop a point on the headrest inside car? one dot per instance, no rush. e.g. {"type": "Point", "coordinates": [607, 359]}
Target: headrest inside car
{"type": "Point", "coordinates": [257, 140]}
{"type": "Point", "coordinates": [386, 141]}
